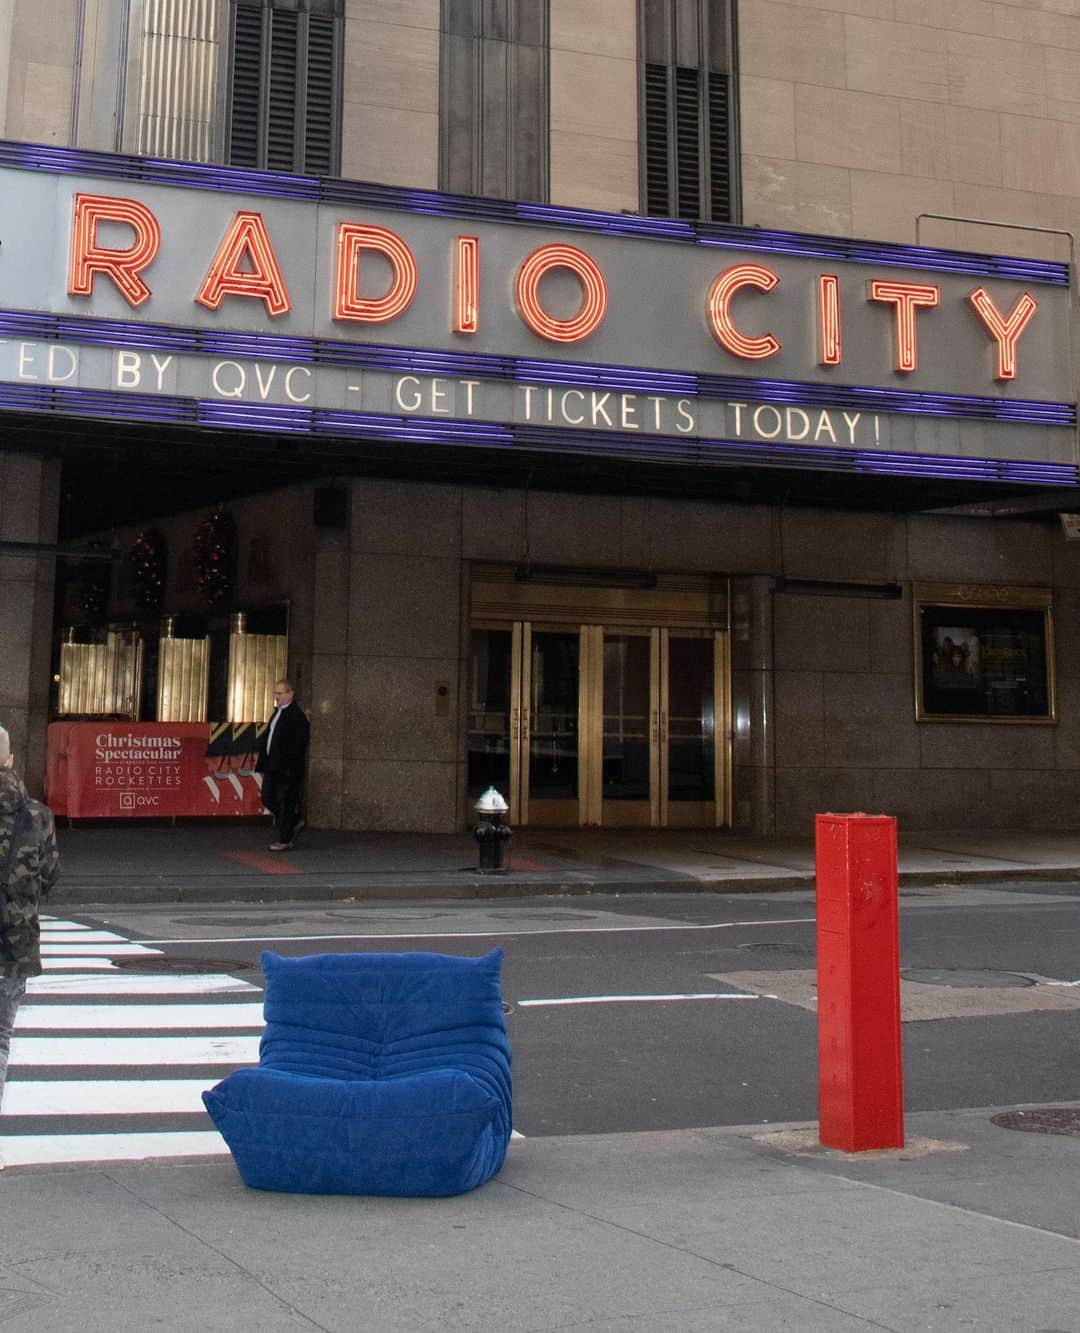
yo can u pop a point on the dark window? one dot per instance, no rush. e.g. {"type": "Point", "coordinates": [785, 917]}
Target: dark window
{"type": "Point", "coordinates": [285, 86]}
{"type": "Point", "coordinates": [493, 95]}
{"type": "Point", "coordinates": [687, 144]}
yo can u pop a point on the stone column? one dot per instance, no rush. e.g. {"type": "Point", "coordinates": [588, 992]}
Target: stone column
{"type": "Point", "coordinates": [401, 766]}
{"type": "Point", "coordinates": [326, 693]}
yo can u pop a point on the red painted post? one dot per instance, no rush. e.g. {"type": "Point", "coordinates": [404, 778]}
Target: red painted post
{"type": "Point", "coordinates": [860, 1062]}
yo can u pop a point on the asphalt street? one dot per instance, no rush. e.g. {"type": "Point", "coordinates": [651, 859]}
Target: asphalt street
{"type": "Point", "coordinates": [636, 1013]}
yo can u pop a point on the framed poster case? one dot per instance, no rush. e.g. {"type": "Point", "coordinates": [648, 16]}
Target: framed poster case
{"type": "Point", "coordinates": [983, 653]}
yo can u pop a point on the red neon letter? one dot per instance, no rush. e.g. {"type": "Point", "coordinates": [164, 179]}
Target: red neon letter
{"type": "Point", "coordinates": [830, 343]}
{"type": "Point", "coordinates": [1004, 329]}
{"type": "Point", "coordinates": [906, 297]}
{"type": "Point", "coordinates": [246, 239]}
{"type": "Point", "coordinates": [718, 308]}
{"type": "Point", "coordinates": [352, 240]}
{"type": "Point", "coordinates": [123, 266]}
{"type": "Point", "coordinates": [594, 289]}
{"type": "Point", "coordinates": [467, 285]}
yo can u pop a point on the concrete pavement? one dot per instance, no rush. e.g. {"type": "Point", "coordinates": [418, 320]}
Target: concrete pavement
{"type": "Point", "coordinates": [753, 1229]}
{"type": "Point", "coordinates": [229, 861]}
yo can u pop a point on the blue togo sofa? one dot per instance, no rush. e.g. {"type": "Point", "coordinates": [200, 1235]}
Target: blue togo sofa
{"type": "Point", "coordinates": [378, 1074]}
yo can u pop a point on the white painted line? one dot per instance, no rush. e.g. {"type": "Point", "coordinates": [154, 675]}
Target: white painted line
{"type": "Point", "coordinates": [149, 1051]}
{"type": "Point", "coordinates": [489, 934]}
{"type": "Point", "coordinates": [83, 936]}
{"type": "Point", "coordinates": [79, 964]}
{"type": "Point", "coordinates": [115, 1097]}
{"type": "Point", "coordinates": [1063, 983]}
{"type": "Point", "coordinates": [49, 1149]}
{"type": "Point", "coordinates": [49, 923]}
{"type": "Point", "coordinates": [632, 999]}
{"type": "Point", "coordinates": [72, 1017]}
{"type": "Point", "coordinates": [132, 983]}
{"type": "Point", "coordinates": [92, 950]}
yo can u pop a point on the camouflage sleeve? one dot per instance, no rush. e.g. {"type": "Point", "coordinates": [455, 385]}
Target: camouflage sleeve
{"type": "Point", "coordinates": [36, 864]}
{"type": "Point", "coordinates": [48, 854]}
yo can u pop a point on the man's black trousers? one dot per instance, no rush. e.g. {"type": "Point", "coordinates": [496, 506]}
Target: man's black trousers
{"type": "Point", "coordinates": [281, 796]}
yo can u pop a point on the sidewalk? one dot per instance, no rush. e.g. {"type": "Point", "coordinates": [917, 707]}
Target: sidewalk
{"type": "Point", "coordinates": [752, 1229]}
{"type": "Point", "coordinates": [219, 862]}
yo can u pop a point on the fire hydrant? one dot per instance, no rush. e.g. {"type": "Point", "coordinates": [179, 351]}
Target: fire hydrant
{"type": "Point", "coordinates": [491, 834]}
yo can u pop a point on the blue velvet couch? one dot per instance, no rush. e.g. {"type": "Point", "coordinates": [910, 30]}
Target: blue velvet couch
{"type": "Point", "coordinates": [377, 1074]}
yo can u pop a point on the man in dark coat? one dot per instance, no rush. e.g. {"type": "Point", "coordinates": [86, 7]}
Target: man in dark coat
{"type": "Point", "coordinates": [282, 759]}
{"type": "Point", "coordinates": [29, 865]}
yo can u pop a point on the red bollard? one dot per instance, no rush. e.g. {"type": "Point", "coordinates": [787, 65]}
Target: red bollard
{"type": "Point", "coordinates": [860, 1061]}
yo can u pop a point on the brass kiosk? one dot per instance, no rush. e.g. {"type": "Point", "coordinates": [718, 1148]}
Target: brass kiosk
{"type": "Point", "coordinates": [602, 703]}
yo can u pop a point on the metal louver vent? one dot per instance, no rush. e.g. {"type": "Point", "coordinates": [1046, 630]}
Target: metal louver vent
{"type": "Point", "coordinates": [319, 110]}
{"type": "Point", "coordinates": [281, 91]}
{"type": "Point", "coordinates": [247, 66]}
{"type": "Point", "coordinates": [286, 89]}
{"type": "Point", "coordinates": [719, 148]}
{"type": "Point", "coordinates": [657, 190]}
{"type": "Point", "coordinates": [687, 143]}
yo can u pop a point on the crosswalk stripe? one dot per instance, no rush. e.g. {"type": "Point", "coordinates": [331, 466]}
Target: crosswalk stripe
{"type": "Point", "coordinates": [149, 983]}
{"type": "Point", "coordinates": [52, 1149]}
{"type": "Point", "coordinates": [177, 1096]}
{"type": "Point", "coordinates": [82, 936]}
{"type": "Point", "coordinates": [161, 1017]}
{"type": "Point", "coordinates": [145, 1051]}
{"type": "Point", "coordinates": [51, 925]}
{"type": "Point", "coordinates": [93, 950]}
{"type": "Point", "coordinates": [74, 962]}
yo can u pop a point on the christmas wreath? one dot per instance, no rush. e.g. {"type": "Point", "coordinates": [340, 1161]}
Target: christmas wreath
{"type": "Point", "coordinates": [215, 556]}
{"type": "Point", "coordinates": [147, 558]}
{"type": "Point", "coordinates": [94, 594]}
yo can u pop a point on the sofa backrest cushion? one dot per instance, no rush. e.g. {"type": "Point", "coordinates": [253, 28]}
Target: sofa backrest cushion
{"type": "Point", "coordinates": [377, 1015]}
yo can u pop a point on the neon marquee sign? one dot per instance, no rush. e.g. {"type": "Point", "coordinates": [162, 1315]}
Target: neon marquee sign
{"type": "Point", "coordinates": [246, 265]}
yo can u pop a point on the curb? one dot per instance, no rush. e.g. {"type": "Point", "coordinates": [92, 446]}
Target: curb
{"type": "Point", "coordinates": [445, 885]}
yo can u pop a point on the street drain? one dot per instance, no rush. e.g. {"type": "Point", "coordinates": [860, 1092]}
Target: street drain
{"type": "Point", "coordinates": [966, 977]}
{"type": "Point", "coordinates": [1046, 1120]}
{"type": "Point", "coordinates": [141, 963]}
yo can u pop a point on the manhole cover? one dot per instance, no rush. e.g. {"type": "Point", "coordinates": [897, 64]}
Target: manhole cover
{"type": "Point", "coordinates": [141, 963]}
{"type": "Point", "coordinates": [966, 977]}
{"type": "Point", "coordinates": [232, 921]}
{"type": "Point", "coordinates": [1046, 1120]}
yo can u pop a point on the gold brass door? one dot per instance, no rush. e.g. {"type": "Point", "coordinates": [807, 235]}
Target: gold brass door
{"type": "Point", "coordinates": [523, 733]}
{"type": "Point", "coordinates": [625, 703]}
{"type": "Point", "coordinates": [623, 727]}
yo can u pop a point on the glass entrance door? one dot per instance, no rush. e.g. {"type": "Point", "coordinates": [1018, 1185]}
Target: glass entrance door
{"type": "Point", "coordinates": [622, 727]}
{"type": "Point", "coordinates": [550, 730]}
{"type": "Point", "coordinates": [523, 731]}
{"type": "Point", "coordinates": [629, 748]}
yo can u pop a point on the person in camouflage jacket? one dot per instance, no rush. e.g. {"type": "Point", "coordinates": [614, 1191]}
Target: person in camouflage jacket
{"type": "Point", "coordinates": [29, 865]}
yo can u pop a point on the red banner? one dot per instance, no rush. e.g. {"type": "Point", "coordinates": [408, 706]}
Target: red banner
{"type": "Point", "coordinates": [117, 770]}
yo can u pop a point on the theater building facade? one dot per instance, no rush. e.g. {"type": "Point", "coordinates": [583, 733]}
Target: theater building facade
{"type": "Point", "coordinates": [664, 413]}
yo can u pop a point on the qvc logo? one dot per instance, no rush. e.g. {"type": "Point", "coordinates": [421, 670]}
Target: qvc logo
{"type": "Point", "coordinates": [130, 800]}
